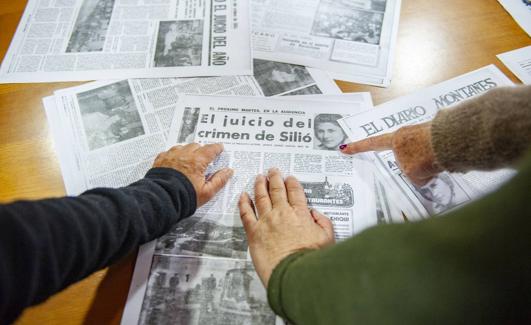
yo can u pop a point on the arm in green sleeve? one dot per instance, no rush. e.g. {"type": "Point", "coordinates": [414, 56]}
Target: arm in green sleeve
{"type": "Point", "coordinates": [470, 266]}
{"type": "Point", "coordinates": [487, 132]}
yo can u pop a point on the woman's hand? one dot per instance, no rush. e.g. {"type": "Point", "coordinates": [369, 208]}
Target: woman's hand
{"type": "Point", "coordinates": [412, 148]}
{"type": "Point", "coordinates": [284, 225]}
{"type": "Point", "coordinates": [192, 160]}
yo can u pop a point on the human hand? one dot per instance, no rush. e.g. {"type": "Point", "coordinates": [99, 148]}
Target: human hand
{"type": "Point", "coordinates": [192, 160]}
{"type": "Point", "coordinates": [285, 224]}
{"type": "Point", "coordinates": [412, 148]}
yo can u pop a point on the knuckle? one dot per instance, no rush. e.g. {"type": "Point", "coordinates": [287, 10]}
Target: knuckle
{"type": "Point", "coordinates": [261, 197]}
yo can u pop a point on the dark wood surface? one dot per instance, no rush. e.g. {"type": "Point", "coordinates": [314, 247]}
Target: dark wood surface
{"type": "Point", "coordinates": [437, 40]}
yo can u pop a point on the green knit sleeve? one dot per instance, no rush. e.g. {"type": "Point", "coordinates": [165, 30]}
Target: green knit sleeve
{"type": "Point", "coordinates": [487, 132]}
{"type": "Point", "coordinates": [471, 266]}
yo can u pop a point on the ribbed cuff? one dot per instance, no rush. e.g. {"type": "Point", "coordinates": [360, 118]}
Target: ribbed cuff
{"type": "Point", "coordinates": [170, 174]}
{"type": "Point", "coordinates": [274, 287]}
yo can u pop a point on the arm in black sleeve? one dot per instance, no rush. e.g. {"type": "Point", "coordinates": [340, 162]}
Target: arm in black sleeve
{"type": "Point", "coordinates": [49, 244]}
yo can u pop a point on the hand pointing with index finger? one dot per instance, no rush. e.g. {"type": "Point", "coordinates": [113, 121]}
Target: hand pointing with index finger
{"type": "Point", "coordinates": [411, 146]}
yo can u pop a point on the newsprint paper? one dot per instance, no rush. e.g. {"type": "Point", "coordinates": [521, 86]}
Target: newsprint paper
{"type": "Point", "coordinates": [107, 133]}
{"type": "Point", "coordinates": [521, 12]}
{"type": "Point", "coordinates": [446, 191]}
{"type": "Point", "coordinates": [200, 272]}
{"type": "Point", "coordinates": [519, 62]}
{"type": "Point", "coordinates": [353, 40]}
{"type": "Point", "coordinates": [76, 40]}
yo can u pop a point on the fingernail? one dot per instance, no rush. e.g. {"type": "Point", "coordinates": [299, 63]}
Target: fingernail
{"type": "Point", "coordinates": [343, 146]}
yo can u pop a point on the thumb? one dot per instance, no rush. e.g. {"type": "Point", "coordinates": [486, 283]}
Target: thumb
{"type": "Point", "coordinates": [323, 222]}
{"type": "Point", "coordinates": [215, 184]}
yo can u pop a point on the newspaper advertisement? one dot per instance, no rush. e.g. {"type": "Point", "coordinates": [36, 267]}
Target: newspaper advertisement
{"type": "Point", "coordinates": [446, 191]}
{"type": "Point", "coordinates": [521, 12]}
{"type": "Point", "coordinates": [299, 137]}
{"type": "Point", "coordinates": [519, 62]}
{"type": "Point", "coordinates": [78, 40]}
{"type": "Point", "coordinates": [353, 40]}
{"type": "Point", "coordinates": [107, 133]}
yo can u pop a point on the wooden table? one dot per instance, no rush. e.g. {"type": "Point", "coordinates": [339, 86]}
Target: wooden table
{"type": "Point", "coordinates": [437, 40]}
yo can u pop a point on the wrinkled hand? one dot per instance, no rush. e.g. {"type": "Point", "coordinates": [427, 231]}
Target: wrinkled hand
{"type": "Point", "coordinates": [285, 224]}
{"type": "Point", "coordinates": [192, 160]}
{"type": "Point", "coordinates": [412, 148]}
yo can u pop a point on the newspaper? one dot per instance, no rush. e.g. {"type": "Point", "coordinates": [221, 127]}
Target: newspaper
{"type": "Point", "coordinates": [353, 40]}
{"type": "Point", "coordinates": [297, 136]}
{"type": "Point", "coordinates": [521, 12]}
{"type": "Point", "coordinates": [446, 191]}
{"type": "Point", "coordinates": [77, 40]}
{"type": "Point", "coordinates": [519, 62]}
{"type": "Point", "coordinates": [107, 133]}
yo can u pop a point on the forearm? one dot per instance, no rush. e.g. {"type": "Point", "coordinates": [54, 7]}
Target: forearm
{"type": "Point", "coordinates": [487, 132]}
{"type": "Point", "coordinates": [470, 266]}
{"type": "Point", "coordinates": [47, 245]}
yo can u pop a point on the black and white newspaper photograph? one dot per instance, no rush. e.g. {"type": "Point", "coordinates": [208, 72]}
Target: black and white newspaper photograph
{"type": "Point", "coordinates": [91, 26]}
{"type": "Point", "coordinates": [113, 40]}
{"type": "Point", "coordinates": [356, 21]}
{"type": "Point", "coordinates": [328, 194]}
{"type": "Point", "coordinates": [110, 115]}
{"type": "Point", "coordinates": [276, 78]}
{"type": "Point", "coordinates": [188, 125]}
{"type": "Point", "coordinates": [328, 133]}
{"type": "Point", "coordinates": [352, 40]}
{"type": "Point", "coordinates": [187, 290]}
{"type": "Point", "coordinates": [179, 43]}
{"type": "Point", "coordinates": [207, 235]}
{"type": "Point", "coordinates": [440, 194]}
{"type": "Point", "coordinates": [446, 191]}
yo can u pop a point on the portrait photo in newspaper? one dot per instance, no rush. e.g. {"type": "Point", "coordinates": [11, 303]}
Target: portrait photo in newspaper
{"type": "Point", "coordinates": [109, 114]}
{"type": "Point", "coordinates": [440, 194]}
{"type": "Point", "coordinates": [91, 26]}
{"type": "Point", "coordinates": [277, 78]}
{"type": "Point", "coordinates": [328, 133]}
{"type": "Point", "coordinates": [204, 291]}
{"type": "Point", "coordinates": [188, 125]}
{"type": "Point", "coordinates": [179, 43]}
{"type": "Point", "coordinates": [356, 21]}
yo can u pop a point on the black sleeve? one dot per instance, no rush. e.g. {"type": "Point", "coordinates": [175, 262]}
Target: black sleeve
{"type": "Point", "coordinates": [49, 244]}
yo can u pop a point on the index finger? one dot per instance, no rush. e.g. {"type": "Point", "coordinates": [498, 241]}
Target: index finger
{"type": "Point", "coordinates": [210, 151]}
{"type": "Point", "coordinates": [377, 143]}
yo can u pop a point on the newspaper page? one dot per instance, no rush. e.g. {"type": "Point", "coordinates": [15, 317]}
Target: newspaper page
{"type": "Point", "coordinates": [77, 40]}
{"type": "Point", "coordinates": [353, 40]}
{"type": "Point", "coordinates": [519, 62]}
{"type": "Point", "coordinates": [446, 191]}
{"type": "Point", "coordinates": [109, 132]}
{"type": "Point", "coordinates": [521, 12]}
{"type": "Point", "coordinates": [300, 138]}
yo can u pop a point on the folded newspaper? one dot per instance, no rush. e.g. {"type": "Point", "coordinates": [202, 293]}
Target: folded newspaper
{"type": "Point", "coordinates": [200, 272]}
{"type": "Point", "coordinates": [446, 191]}
{"type": "Point", "coordinates": [352, 40]}
{"type": "Point", "coordinates": [76, 40]}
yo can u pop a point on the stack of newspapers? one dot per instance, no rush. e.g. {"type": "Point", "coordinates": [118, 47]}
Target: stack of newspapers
{"type": "Point", "coordinates": [257, 76]}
